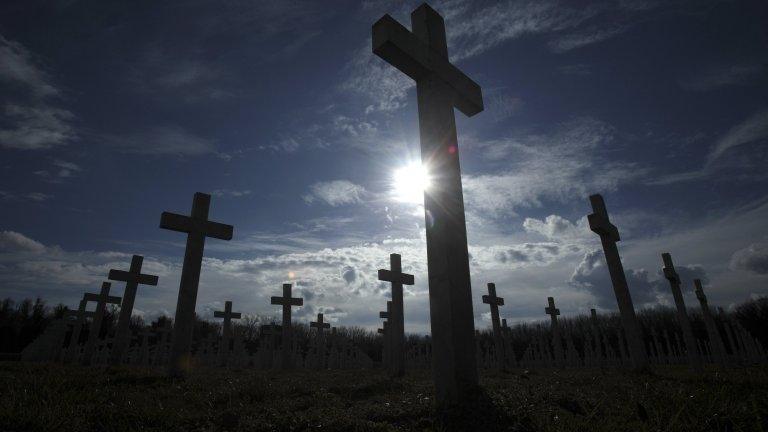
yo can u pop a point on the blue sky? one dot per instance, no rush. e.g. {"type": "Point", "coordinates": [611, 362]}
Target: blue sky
{"type": "Point", "coordinates": [112, 113]}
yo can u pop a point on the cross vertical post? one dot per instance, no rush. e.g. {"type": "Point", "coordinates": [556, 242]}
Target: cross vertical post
{"type": "Point", "coordinates": [682, 315]}
{"type": "Point", "coordinates": [197, 227]}
{"type": "Point", "coordinates": [74, 340]}
{"type": "Point", "coordinates": [397, 327]}
{"type": "Point", "coordinates": [609, 236]}
{"type": "Point", "coordinates": [320, 325]}
{"type": "Point", "coordinates": [422, 54]}
{"type": "Point", "coordinates": [132, 279]}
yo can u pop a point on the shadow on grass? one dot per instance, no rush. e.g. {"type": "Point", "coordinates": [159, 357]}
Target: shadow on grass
{"type": "Point", "coordinates": [480, 414]}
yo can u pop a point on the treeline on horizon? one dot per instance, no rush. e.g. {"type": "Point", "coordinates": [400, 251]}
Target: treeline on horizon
{"type": "Point", "coordinates": [22, 323]}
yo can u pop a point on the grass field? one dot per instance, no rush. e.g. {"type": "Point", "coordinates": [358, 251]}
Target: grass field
{"type": "Point", "coordinates": [40, 397]}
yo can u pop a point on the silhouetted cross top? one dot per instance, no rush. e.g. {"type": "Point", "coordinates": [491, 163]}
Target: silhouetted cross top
{"type": "Point", "coordinates": [102, 298]}
{"type": "Point", "coordinates": [552, 311]}
{"type": "Point", "coordinates": [491, 298]}
{"type": "Point", "coordinates": [228, 315]}
{"type": "Point", "coordinates": [319, 324]}
{"type": "Point", "coordinates": [669, 269]}
{"type": "Point", "coordinates": [286, 301]}
{"type": "Point", "coordinates": [599, 221]}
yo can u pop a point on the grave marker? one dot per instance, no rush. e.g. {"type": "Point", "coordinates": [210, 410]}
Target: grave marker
{"type": "Point", "coordinates": [226, 329]}
{"type": "Point", "coordinates": [494, 302]}
{"type": "Point", "coordinates": [132, 279]}
{"type": "Point", "coordinates": [101, 299]}
{"type": "Point", "coordinates": [397, 278]}
{"type": "Point", "coordinates": [557, 342]}
{"type": "Point", "coordinates": [682, 315]}
{"type": "Point", "coordinates": [423, 55]}
{"type": "Point", "coordinates": [198, 227]}
{"type": "Point", "coordinates": [609, 236]}
{"type": "Point", "coordinates": [715, 341]}
{"type": "Point", "coordinates": [286, 301]}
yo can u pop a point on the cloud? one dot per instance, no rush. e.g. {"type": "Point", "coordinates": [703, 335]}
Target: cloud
{"type": "Point", "coordinates": [230, 193]}
{"type": "Point", "coordinates": [550, 166]}
{"type": "Point", "coordinates": [11, 241]}
{"type": "Point", "coordinates": [17, 65]}
{"type": "Point", "coordinates": [556, 227]}
{"type": "Point", "coordinates": [591, 274]}
{"type": "Point", "coordinates": [753, 129]}
{"type": "Point", "coordinates": [36, 127]}
{"type": "Point", "coordinates": [336, 193]}
{"type": "Point", "coordinates": [31, 121]}
{"type": "Point", "coordinates": [753, 258]}
{"type": "Point", "coordinates": [721, 76]}
{"type": "Point", "coordinates": [163, 140]}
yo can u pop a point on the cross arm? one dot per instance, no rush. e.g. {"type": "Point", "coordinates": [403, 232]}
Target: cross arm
{"type": "Point", "coordinates": [384, 315]}
{"type": "Point", "coordinates": [499, 301]}
{"type": "Point", "coordinates": [143, 279]}
{"type": "Point", "coordinates": [181, 223]}
{"type": "Point", "coordinates": [282, 301]}
{"type": "Point", "coordinates": [96, 298]}
{"type": "Point", "coordinates": [389, 276]}
{"type": "Point", "coordinates": [398, 46]}
{"type": "Point", "coordinates": [603, 227]}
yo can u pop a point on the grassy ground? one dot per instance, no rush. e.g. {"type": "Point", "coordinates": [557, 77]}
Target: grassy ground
{"type": "Point", "coordinates": [61, 398]}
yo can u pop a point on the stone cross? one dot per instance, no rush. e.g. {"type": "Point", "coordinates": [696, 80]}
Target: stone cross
{"type": "Point", "coordinates": [715, 341]}
{"type": "Point", "coordinates": [422, 54]}
{"type": "Point", "coordinates": [557, 342]}
{"type": "Point", "coordinates": [494, 302]}
{"type": "Point", "coordinates": [132, 279]}
{"type": "Point", "coordinates": [397, 278]}
{"type": "Point", "coordinates": [228, 316]}
{"type": "Point", "coordinates": [286, 301]}
{"type": "Point", "coordinates": [320, 326]}
{"type": "Point", "coordinates": [387, 333]}
{"type": "Point", "coordinates": [102, 299]}
{"type": "Point", "coordinates": [682, 315]}
{"type": "Point", "coordinates": [198, 227]}
{"type": "Point", "coordinates": [74, 340]}
{"type": "Point", "coordinates": [609, 236]}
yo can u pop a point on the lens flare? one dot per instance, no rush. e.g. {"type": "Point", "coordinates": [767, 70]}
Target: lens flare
{"type": "Point", "coordinates": [410, 183]}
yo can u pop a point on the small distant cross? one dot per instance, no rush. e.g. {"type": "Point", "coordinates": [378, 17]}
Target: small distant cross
{"type": "Point", "coordinates": [319, 324]}
{"type": "Point", "coordinates": [593, 314]}
{"type": "Point", "coordinates": [286, 301]}
{"type": "Point", "coordinates": [228, 316]}
{"type": "Point", "coordinates": [492, 299]}
{"type": "Point", "coordinates": [386, 314]}
{"type": "Point", "coordinates": [102, 298]}
{"type": "Point", "coordinates": [552, 311]}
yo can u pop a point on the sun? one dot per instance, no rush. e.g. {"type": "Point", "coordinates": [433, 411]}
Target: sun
{"type": "Point", "coordinates": [410, 182]}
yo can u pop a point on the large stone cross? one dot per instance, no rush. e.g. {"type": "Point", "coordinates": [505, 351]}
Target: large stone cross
{"type": "Point", "coordinates": [682, 315]}
{"type": "Point", "coordinates": [609, 235]}
{"type": "Point", "coordinates": [198, 227]}
{"type": "Point", "coordinates": [286, 301]}
{"type": "Point", "coordinates": [132, 279]}
{"type": "Point", "coordinates": [494, 302]}
{"type": "Point", "coordinates": [422, 54]}
{"type": "Point", "coordinates": [397, 278]}
{"type": "Point", "coordinates": [102, 299]}
{"type": "Point", "coordinates": [715, 341]}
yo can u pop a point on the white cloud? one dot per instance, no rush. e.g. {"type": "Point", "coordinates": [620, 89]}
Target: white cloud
{"type": "Point", "coordinates": [336, 192]}
{"type": "Point", "coordinates": [32, 123]}
{"type": "Point", "coordinates": [553, 166]}
{"type": "Point", "coordinates": [163, 140]}
{"type": "Point", "coordinates": [753, 258]}
{"type": "Point", "coordinates": [751, 130]}
{"type": "Point", "coordinates": [11, 241]}
{"type": "Point", "coordinates": [721, 76]}
{"type": "Point", "coordinates": [230, 193]}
